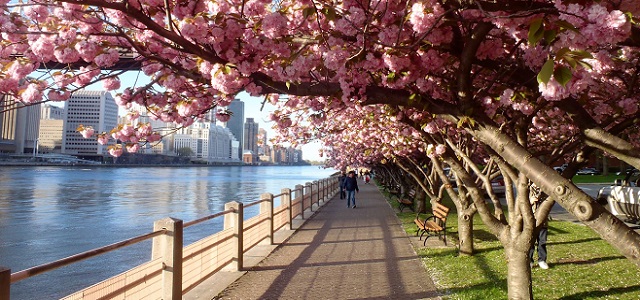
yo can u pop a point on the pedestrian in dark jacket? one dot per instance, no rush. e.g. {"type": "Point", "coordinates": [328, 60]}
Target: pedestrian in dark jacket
{"type": "Point", "coordinates": [341, 179]}
{"type": "Point", "coordinates": [351, 186]}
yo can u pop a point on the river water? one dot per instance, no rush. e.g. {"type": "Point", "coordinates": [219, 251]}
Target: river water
{"type": "Point", "coordinates": [48, 213]}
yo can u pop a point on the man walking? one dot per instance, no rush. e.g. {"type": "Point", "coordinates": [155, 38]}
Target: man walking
{"type": "Point", "coordinates": [350, 184]}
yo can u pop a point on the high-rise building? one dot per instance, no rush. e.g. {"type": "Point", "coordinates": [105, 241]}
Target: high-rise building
{"type": "Point", "coordinates": [19, 126]}
{"type": "Point", "coordinates": [50, 112]}
{"type": "Point", "coordinates": [205, 141]}
{"type": "Point", "coordinates": [50, 136]}
{"type": "Point", "coordinates": [236, 123]}
{"type": "Point", "coordinates": [51, 127]}
{"type": "Point", "coordinates": [262, 142]}
{"type": "Point", "coordinates": [88, 108]}
{"type": "Point", "coordinates": [251, 136]}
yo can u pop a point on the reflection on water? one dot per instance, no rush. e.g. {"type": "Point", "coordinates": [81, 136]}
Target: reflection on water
{"type": "Point", "coordinates": [48, 213]}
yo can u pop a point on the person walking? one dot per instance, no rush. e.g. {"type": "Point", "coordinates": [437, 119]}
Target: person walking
{"type": "Point", "coordinates": [341, 179]}
{"type": "Point", "coordinates": [350, 185]}
{"type": "Point", "coordinates": [536, 197]}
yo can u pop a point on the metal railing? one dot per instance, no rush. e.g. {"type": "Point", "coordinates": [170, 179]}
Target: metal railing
{"type": "Point", "coordinates": [174, 269]}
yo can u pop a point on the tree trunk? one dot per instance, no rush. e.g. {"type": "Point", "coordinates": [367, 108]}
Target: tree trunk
{"type": "Point", "coordinates": [567, 194]}
{"type": "Point", "coordinates": [518, 272]}
{"type": "Point", "coordinates": [465, 231]}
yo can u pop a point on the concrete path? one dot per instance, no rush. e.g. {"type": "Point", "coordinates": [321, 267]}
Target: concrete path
{"type": "Point", "coordinates": [341, 253]}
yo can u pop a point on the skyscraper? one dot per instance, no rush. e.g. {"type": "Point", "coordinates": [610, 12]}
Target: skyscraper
{"type": "Point", "coordinates": [18, 126]}
{"type": "Point", "coordinates": [236, 123]}
{"type": "Point", "coordinates": [88, 108]}
{"type": "Point", "coordinates": [251, 136]}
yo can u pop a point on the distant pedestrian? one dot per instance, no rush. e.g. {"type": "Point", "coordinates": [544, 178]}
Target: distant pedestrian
{"type": "Point", "coordinates": [350, 185]}
{"type": "Point", "coordinates": [536, 197]}
{"type": "Point", "coordinates": [341, 179]}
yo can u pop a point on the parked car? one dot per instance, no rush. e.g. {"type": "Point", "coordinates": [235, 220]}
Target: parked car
{"type": "Point", "coordinates": [628, 170]}
{"type": "Point", "coordinates": [588, 171]}
{"type": "Point", "coordinates": [623, 197]}
{"type": "Point", "coordinates": [560, 169]}
{"type": "Point", "coordinates": [497, 184]}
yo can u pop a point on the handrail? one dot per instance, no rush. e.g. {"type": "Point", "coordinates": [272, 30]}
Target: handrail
{"type": "Point", "coordinates": [255, 203]}
{"type": "Point", "coordinates": [209, 217]}
{"type": "Point", "coordinates": [279, 195]}
{"type": "Point", "coordinates": [24, 274]}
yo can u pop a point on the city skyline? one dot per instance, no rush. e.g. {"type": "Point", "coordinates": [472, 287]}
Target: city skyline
{"type": "Point", "coordinates": [252, 109]}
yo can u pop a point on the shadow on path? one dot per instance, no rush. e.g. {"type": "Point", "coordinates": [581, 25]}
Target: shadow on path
{"type": "Point", "coordinates": [341, 253]}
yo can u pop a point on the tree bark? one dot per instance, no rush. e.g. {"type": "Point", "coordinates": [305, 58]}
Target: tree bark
{"type": "Point", "coordinates": [518, 271]}
{"type": "Point", "coordinates": [465, 231]}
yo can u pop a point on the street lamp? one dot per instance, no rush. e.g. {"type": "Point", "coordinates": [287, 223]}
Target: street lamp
{"type": "Point", "coordinates": [35, 148]}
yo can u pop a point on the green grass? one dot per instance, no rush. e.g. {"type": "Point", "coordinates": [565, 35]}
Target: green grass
{"type": "Point", "coordinates": [583, 266]}
{"type": "Point", "coordinates": [596, 178]}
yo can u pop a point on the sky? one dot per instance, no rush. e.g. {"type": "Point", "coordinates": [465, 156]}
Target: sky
{"type": "Point", "coordinates": [252, 107]}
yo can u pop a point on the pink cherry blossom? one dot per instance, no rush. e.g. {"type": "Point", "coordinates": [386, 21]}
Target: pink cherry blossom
{"type": "Point", "coordinates": [115, 150]}
{"type": "Point", "coordinates": [132, 148]}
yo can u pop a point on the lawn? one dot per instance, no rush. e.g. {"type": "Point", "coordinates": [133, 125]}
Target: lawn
{"type": "Point", "coordinates": [596, 178]}
{"type": "Point", "coordinates": [583, 266]}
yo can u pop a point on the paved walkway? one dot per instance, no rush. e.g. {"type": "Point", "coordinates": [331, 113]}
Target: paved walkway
{"type": "Point", "coordinates": [341, 253]}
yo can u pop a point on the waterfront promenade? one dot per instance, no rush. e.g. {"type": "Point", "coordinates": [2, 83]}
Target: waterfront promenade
{"type": "Point", "coordinates": [339, 253]}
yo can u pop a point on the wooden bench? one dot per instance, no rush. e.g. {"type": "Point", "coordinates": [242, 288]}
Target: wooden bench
{"type": "Point", "coordinates": [406, 200]}
{"type": "Point", "coordinates": [434, 225]}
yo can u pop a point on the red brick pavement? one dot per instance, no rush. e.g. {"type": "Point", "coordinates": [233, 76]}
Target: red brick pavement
{"type": "Point", "coordinates": [341, 253]}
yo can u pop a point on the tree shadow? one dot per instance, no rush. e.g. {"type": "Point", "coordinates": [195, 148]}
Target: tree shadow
{"type": "Point", "coordinates": [602, 294]}
{"type": "Point", "coordinates": [595, 260]}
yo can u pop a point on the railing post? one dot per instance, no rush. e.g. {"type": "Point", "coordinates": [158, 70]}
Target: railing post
{"type": "Point", "coordinates": [5, 283]}
{"type": "Point", "coordinates": [286, 200]}
{"type": "Point", "coordinates": [236, 220]}
{"type": "Point", "coordinates": [308, 191]}
{"type": "Point", "coordinates": [299, 193]}
{"type": "Point", "coordinates": [324, 189]}
{"type": "Point", "coordinates": [169, 247]}
{"type": "Point", "coordinates": [267, 206]}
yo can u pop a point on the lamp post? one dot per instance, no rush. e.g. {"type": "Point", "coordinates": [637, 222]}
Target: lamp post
{"type": "Point", "coordinates": [35, 148]}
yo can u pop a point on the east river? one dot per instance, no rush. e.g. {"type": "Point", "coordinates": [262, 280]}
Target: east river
{"type": "Point", "coordinates": [49, 213]}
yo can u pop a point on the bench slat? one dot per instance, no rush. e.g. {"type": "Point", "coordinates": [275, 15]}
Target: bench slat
{"type": "Point", "coordinates": [434, 225]}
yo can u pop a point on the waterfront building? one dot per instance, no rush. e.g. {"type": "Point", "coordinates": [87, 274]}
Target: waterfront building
{"type": "Point", "coordinates": [236, 124]}
{"type": "Point", "coordinates": [165, 129]}
{"type": "Point", "coordinates": [50, 136]}
{"type": "Point", "coordinates": [50, 112]}
{"type": "Point", "coordinates": [251, 137]}
{"type": "Point", "coordinates": [206, 142]}
{"type": "Point", "coordinates": [88, 108]}
{"type": "Point", "coordinates": [262, 142]}
{"type": "Point", "coordinates": [19, 126]}
{"type": "Point", "coordinates": [248, 157]}
{"type": "Point", "coordinates": [286, 155]}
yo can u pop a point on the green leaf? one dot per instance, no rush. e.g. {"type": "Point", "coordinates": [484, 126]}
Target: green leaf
{"type": "Point", "coordinates": [562, 52]}
{"type": "Point", "coordinates": [546, 72]}
{"type": "Point", "coordinates": [585, 65]}
{"type": "Point", "coordinates": [550, 35]}
{"type": "Point", "coordinates": [329, 13]}
{"type": "Point", "coordinates": [288, 84]}
{"type": "Point", "coordinates": [572, 62]}
{"type": "Point", "coordinates": [566, 25]}
{"type": "Point", "coordinates": [581, 54]}
{"type": "Point", "coordinates": [536, 31]}
{"type": "Point", "coordinates": [391, 75]}
{"type": "Point", "coordinates": [562, 75]}
{"type": "Point", "coordinates": [308, 11]}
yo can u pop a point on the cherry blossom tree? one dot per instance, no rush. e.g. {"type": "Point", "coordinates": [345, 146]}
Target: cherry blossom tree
{"type": "Point", "coordinates": [532, 82]}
